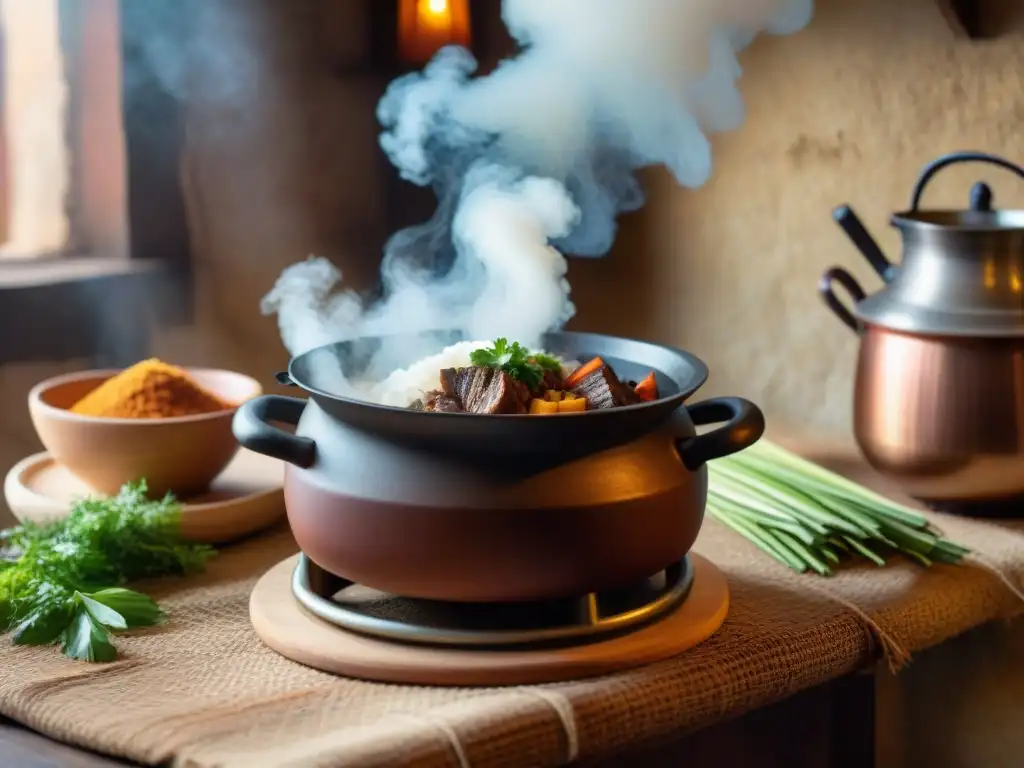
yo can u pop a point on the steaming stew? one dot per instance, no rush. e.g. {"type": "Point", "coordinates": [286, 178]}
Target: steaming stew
{"type": "Point", "coordinates": [507, 378]}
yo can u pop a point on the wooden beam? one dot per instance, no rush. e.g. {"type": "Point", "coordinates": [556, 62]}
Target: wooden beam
{"type": "Point", "coordinates": [154, 125]}
{"type": "Point", "coordinates": [966, 17]}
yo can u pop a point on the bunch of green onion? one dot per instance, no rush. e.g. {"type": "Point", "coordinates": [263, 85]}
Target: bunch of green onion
{"type": "Point", "coordinates": [809, 518]}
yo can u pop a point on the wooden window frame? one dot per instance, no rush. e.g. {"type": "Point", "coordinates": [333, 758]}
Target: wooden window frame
{"type": "Point", "coordinates": [98, 303]}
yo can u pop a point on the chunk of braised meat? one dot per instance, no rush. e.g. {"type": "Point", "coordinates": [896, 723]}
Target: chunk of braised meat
{"type": "Point", "coordinates": [439, 401]}
{"type": "Point", "coordinates": [485, 390]}
{"type": "Point", "coordinates": [551, 380]}
{"type": "Point", "coordinates": [603, 389]}
{"type": "Point", "coordinates": [446, 404]}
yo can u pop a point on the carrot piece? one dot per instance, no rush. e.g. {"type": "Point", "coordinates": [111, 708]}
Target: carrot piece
{"type": "Point", "coordinates": [647, 390]}
{"type": "Point", "coordinates": [583, 371]}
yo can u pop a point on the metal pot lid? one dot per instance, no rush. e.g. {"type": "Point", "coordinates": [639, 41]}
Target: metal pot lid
{"type": "Point", "coordinates": [962, 275]}
{"type": "Point", "coordinates": [963, 270]}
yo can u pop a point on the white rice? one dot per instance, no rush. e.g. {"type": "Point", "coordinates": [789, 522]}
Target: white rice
{"type": "Point", "coordinates": [402, 387]}
{"type": "Point", "coordinates": [405, 385]}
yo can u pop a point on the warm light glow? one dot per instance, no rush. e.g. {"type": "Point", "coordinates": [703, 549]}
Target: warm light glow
{"type": "Point", "coordinates": [425, 26]}
{"type": "Point", "coordinates": [990, 274]}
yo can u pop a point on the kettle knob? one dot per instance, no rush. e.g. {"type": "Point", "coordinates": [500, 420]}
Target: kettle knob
{"type": "Point", "coordinates": [981, 197]}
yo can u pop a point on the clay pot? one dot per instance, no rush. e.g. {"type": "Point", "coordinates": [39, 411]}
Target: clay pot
{"type": "Point", "coordinates": [469, 507]}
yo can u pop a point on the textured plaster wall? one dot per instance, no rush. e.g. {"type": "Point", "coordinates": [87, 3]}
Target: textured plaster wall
{"type": "Point", "coordinates": [847, 111]}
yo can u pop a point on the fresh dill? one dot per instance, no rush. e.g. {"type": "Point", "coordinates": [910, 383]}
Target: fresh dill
{"type": "Point", "coordinates": [62, 583]}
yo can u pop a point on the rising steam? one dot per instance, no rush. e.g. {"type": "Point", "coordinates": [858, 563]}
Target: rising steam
{"type": "Point", "coordinates": [535, 160]}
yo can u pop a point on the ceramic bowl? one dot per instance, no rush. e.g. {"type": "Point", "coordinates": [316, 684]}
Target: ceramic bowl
{"type": "Point", "coordinates": [182, 454]}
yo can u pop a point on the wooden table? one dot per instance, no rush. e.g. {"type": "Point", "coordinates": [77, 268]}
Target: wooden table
{"type": "Point", "coordinates": [22, 748]}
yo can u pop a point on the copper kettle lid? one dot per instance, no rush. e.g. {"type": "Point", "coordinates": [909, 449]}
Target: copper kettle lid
{"type": "Point", "coordinates": [962, 272]}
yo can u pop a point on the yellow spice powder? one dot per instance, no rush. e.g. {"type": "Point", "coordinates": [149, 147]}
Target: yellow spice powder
{"type": "Point", "coordinates": [149, 390]}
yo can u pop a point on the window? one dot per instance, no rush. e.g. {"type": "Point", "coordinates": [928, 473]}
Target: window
{"type": "Point", "coordinates": [62, 138]}
{"type": "Point", "coordinates": [94, 240]}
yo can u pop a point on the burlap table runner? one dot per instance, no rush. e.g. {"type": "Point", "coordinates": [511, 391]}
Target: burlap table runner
{"type": "Point", "coordinates": [204, 691]}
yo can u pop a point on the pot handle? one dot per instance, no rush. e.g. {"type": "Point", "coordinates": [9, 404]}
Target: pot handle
{"type": "Point", "coordinates": [284, 378]}
{"type": "Point", "coordinates": [253, 432]}
{"type": "Point", "coordinates": [849, 282]}
{"type": "Point", "coordinates": [981, 195]}
{"type": "Point", "coordinates": [744, 425]}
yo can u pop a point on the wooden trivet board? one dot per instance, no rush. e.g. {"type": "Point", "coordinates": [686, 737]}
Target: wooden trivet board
{"type": "Point", "coordinates": [294, 633]}
{"type": "Point", "coordinates": [247, 497]}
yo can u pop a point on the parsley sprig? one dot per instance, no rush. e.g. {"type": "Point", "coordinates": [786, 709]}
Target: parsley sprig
{"type": "Point", "coordinates": [516, 360]}
{"type": "Point", "coordinates": [62, 583]}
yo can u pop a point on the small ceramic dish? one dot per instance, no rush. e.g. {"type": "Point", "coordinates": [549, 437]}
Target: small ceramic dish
{"type": "Point", "coordinates": [246, 498]}
{"type": "Point", "coordinates": [182, 454]}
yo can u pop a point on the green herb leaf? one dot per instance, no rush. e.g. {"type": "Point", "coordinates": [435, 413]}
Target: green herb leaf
{"type": "Point", "coordinates": [138, 610]}
{"type": "Point", "coordinates": [496, 356]}
{"type": "Point", "coordinates": [86, 639]}
{"type": "Point", "coordinates": [42, 627]}
{"type": "Point", "coordinates": [548, 362]}
{"type": "Point", "coordinates": [516, 360]}
{"type": "Point", "coordinates": [103, 614]}
{"type": "Point", "coordinates": [11, 582]}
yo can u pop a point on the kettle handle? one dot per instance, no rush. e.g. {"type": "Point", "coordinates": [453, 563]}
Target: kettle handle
{"type": "Point", "coordinates": [840, 310]}
{"type": "Point", "coordinates": [855, 230]}
{"type": "Point", "coordinates": [961, 157]}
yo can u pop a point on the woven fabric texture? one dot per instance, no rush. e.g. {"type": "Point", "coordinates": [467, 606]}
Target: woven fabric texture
{"type": "Point", "coordinates": [203, 691]}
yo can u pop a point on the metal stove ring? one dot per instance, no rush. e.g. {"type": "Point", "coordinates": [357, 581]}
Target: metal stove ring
{"type": "Point", "coordinates": [593, 626]}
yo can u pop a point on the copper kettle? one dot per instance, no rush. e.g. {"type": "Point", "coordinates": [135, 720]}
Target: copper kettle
{"type": "Point", "coordinates": [939, 389]}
